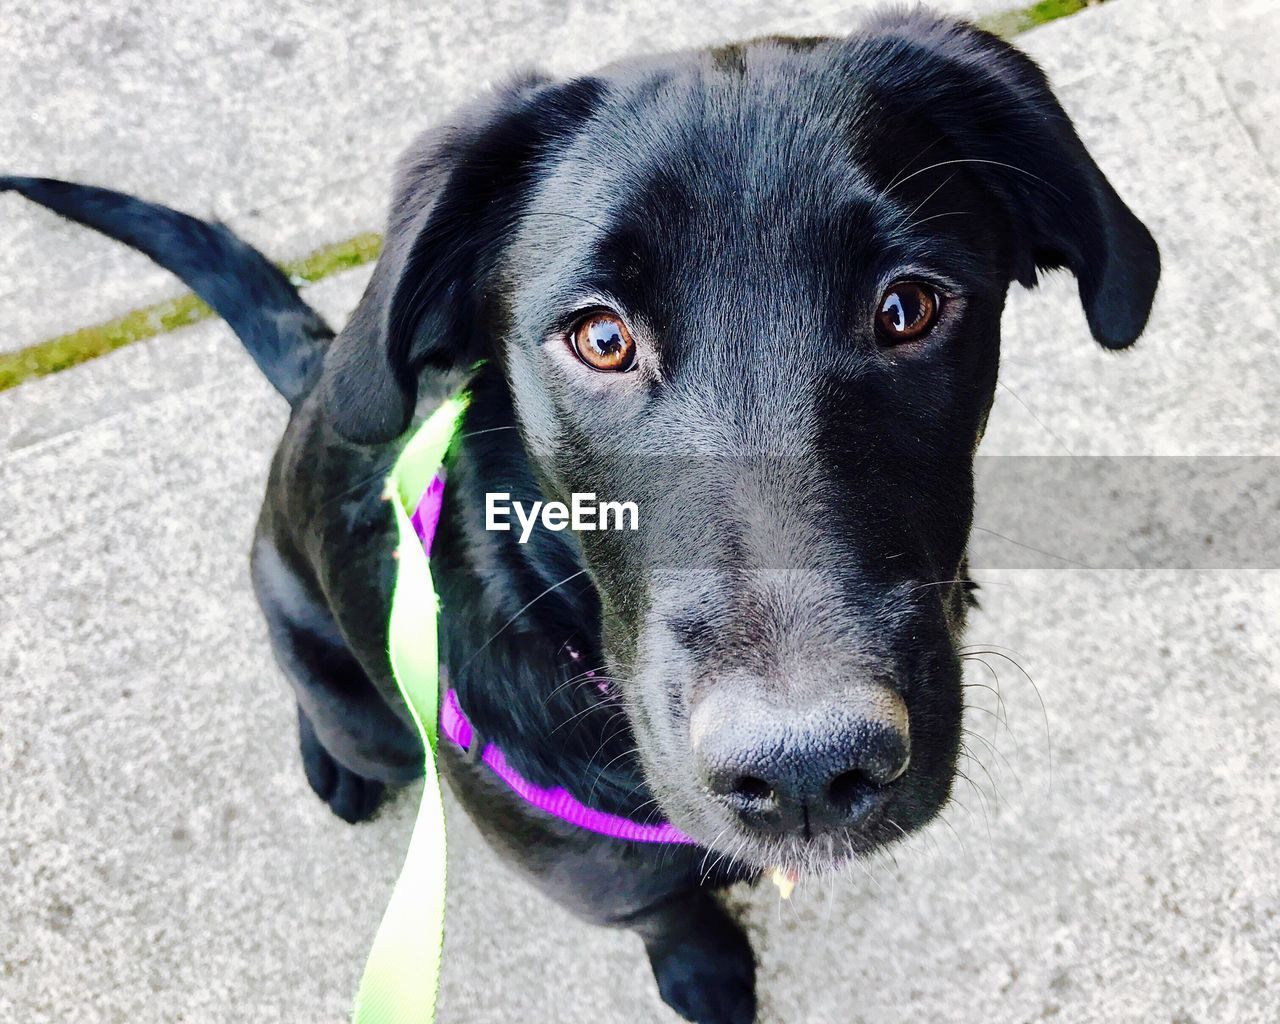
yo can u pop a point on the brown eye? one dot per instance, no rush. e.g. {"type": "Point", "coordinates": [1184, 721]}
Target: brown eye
{"type": "Point", "coordinates": [907, 310]}
{"type": "Point", "coordinates": [603, 342]}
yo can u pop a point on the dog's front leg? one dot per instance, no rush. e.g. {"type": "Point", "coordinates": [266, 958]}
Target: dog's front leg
{"type": "Point", "coordinates": [701, 958]}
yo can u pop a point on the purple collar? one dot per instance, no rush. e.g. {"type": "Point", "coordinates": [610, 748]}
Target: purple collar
{"type": "Point", "coordinates": [454, 723]}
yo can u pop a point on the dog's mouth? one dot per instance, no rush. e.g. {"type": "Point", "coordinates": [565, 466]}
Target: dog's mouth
{"type": "Point", "coordinates": [787, 860]}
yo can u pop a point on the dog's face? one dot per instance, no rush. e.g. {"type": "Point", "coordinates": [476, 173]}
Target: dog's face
{"type": "Point", "coordinates": [757, 292]}
{"type": "Point", "coordinates": [740, 322]}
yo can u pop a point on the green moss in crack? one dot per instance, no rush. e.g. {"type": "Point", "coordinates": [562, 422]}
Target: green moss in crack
{"type": "Point", "coordinates": [1010, 23]}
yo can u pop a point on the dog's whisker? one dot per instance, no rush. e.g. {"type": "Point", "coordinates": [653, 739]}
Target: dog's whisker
{"type": "Point", "coordinates": [975, 160]}
{"type": "Point", "coordinates": [714, 864]}
{"type": "Point", "coordinates": [641, 810]}
{"type": "Point", "coordinates": [937, 216]}
{"type": "Point", "coordinates": [710, 849]}
{"type": "Point", "coordinates": [488, 430]}
{"type": "Point", "coordinates": [580, 681]}
{"type": "Point", "coordinates": [569, 216]}
{"type": "Point", "coordinates": [1031, 547]}
{"type": "Point", "coordinates": [888, 851]}
{"type": "Point", "coordinates": [831, 893]}
{"type": "Point", "coordinates": [551, 589]}
{"type": "Point", "coordinates": [920, 205]}
{"type": "Point", "coordinates": [735, 851]}
{"type": "Point", "coordinates": [905, 167]}
{"type": "Point", "coordinates": [930, 836]}
{"type": "Point", "coordinates": [601, 773]}
{"type": "Point", "coordinates": [996, 722]}
{"type": "Point", "coordinates": [994, 651]}
{"type": "Point", "coordinates": [376, 479]}
{"type": "Point", "coordinates": [605, 740]}
{"type": "Point", "coordinates": [995, 750]}
{"type": "Point", "coordinates": [866, 870]}
{"type": "Point", "coordinates": [935, 583]}
{"type": "Point", "coordinates": [580, 713]}
{"type": "Point", "coordinates": [578, 677]}
{"type": "Point", "coordinates": [897, 826]}
{"type": "Point", "coordinates": [607, 736]}
{"type": "Point", "coordinates": [972, 756]}
{"type": "Point", "coordinates": [964, 850]}
{"type": "Point", "coordinates": [998, 690]}
{"type": "Point", "coordinates": [913, 849]}
{"type": "Point", "coordinates": [984, 803]}
{"type": "Point", "coordinates": [985, 711]}
{"type": "Point", "coordinates": [1000, 705]}
{"type": "Point", "coordinates": [1030, 412]}
{"type": "Point", "coordinates": [1003, 717]}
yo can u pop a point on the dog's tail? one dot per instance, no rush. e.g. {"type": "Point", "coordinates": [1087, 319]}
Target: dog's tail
{"type": "Point", "coordinates": [285, 336]}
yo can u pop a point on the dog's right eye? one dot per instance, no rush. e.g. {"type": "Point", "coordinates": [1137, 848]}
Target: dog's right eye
{"type": "Point", "coordinates": [603, 343]}
{"type": "Point", "coordinates": [908, 310]}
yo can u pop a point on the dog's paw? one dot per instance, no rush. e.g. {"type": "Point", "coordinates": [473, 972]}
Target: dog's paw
{"type": "Point", "coordinates": [350, 796]}
{"type": "Point", "coordinates": [708, 978]}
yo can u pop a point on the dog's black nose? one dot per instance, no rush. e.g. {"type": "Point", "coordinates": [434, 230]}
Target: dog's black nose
{"type": "Point", "coordinates": [812, 768]}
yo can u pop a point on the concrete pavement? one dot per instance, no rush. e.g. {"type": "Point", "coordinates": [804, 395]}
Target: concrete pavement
{"type": "Point", "coordinates": [161, 858]}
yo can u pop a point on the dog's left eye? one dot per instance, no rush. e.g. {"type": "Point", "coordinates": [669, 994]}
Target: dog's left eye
{"type": "Point", "coordinates": [907, 311]}
{"type": "Point", "coordinates": [604, 343]}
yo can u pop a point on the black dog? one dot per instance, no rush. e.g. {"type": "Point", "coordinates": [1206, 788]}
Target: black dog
{"type": "Point", "coordinates": [757, 290]}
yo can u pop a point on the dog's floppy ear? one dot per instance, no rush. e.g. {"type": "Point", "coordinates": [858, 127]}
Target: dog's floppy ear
{"type": "Point", "coordinates": [459, 194]}
{"type": "Point", "coordinates": [994, 106]}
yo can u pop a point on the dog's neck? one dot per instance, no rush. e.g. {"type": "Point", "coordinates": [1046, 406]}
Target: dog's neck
{"type": "Point", "coordinates": [520, 625]}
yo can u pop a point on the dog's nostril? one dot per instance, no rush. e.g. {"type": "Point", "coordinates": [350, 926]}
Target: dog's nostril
{"type": "Point", "coordinates": [748, 787]}
{"type": "Point", "coordinates": [849, 789]}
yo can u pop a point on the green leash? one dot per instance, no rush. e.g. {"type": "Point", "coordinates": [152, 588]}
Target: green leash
{"type": "Point", "coordinates": [402, 975]}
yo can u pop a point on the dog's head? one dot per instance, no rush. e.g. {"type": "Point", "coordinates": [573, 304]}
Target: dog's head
{"type": "Point", "coordinates": [757, 291]}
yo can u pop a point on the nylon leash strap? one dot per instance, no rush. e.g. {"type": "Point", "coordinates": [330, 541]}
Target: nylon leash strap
{"type": "Point", "coordinates": [402, 975]}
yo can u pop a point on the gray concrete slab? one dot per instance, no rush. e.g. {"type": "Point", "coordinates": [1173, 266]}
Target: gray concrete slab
{"type": "Point", "coordinates": [162, 859]}
{"type": "Point", "coordinates": [1246, 52]}
{"type": "Point", "coordinates": [281, 118]}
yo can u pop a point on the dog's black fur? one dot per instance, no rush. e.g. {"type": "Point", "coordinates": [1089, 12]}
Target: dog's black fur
{"type": "Point", "coordinates": [806, 494]}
